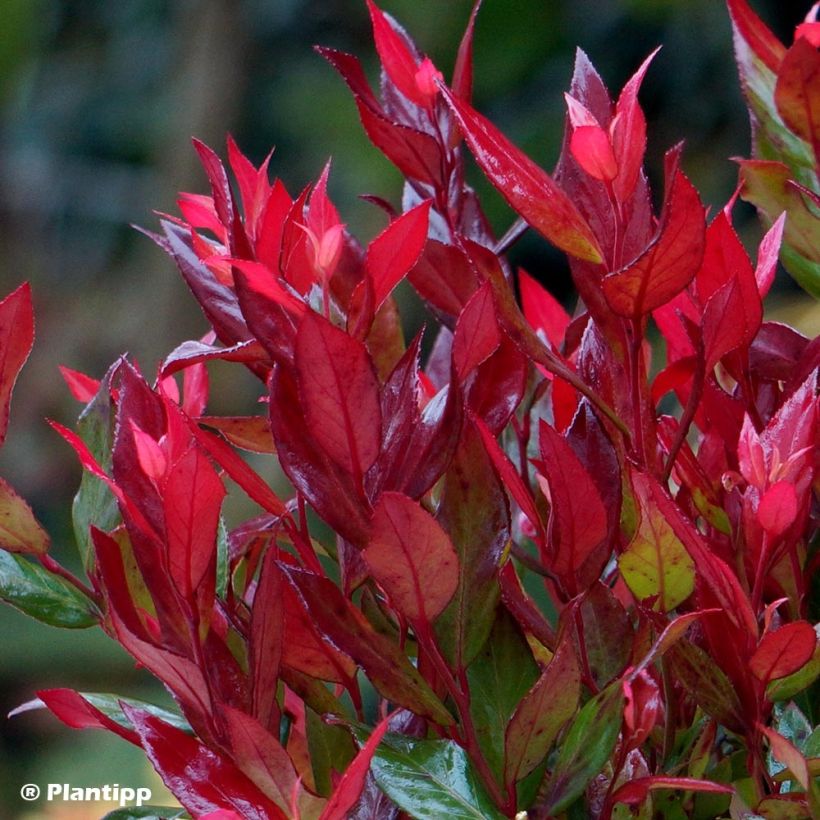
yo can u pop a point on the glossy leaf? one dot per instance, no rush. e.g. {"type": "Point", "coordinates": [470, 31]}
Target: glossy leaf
{"type": "Point", "coordinates": [412, 558]}
{"type": "Point", "coordinates": [797, 93]}
{"type": "Point", "coordinates": [199, 778]}
{"type": "Point", "coordinates": [350, 786]}
{"type": "Point", "coordinates": [473, 512]}
{"type": "Point", "coordinates": [431, 779]}
{"type": "Point", "coordinates": [528, 189]}
{"type": "Point", "coordinates": [42, 595]}
{"type": "Point", "coordinates": [636, 791]}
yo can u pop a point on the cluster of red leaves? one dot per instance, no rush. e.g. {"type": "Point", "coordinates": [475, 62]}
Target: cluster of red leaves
{"type": "Point", "coordinates": [545, 585]}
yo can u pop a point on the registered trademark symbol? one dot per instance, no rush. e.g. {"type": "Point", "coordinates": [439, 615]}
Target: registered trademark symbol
{"type": "Point", "coordinates": [31, 791]}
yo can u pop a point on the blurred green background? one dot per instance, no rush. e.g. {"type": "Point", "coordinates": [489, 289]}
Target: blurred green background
{"type": "Point", "coordinates": [98, 103]}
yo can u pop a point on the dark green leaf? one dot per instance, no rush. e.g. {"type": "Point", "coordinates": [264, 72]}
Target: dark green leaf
{"type": "Point", "coordinates": [431, 780]}
{"type": "Point", "coordinates": [586, 748]}
{"type": "Point", "coordinates": [43, 596]}
{"type": "Point", "coordinates": [473, 512]}
{"type": "Point", "coordinates": [331, 749]}
{"type": "Point", "coordinates": [498, 678]}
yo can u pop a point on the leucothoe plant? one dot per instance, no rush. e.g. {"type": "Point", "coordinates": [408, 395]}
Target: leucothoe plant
{"type": "Point", "coordinates": [518, 574]}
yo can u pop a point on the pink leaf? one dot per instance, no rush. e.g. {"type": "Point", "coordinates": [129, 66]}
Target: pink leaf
{"type": "Point", "coordinates": [778, 508]}
{"type": "Point", "coordinates": [783, 651]}
{"type": "Point", "coordinates": [767, 255]}
{"type": "Point", "coordinates": [412, 558]}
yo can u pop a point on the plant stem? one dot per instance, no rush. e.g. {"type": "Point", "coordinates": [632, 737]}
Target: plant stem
{"type": "Point", "coordinates": [58, 569]}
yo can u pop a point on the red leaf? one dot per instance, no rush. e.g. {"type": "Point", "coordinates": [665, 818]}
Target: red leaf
{"type": "Point", "coordinates": [528, 189]}
{"type": "Point", "coordinates": [783, 651]}
{"type": "Point", "coordinates": [629, 134]}
{"type": "Point", "coordinates": [789, 755]}
{"type": "Point", "coordinates": [412, 558]}
{"type": "Point", "coordinates": [16, 341]}
{"type": "Point", "coordinates": [264, 283]}
{"type": "Point", "coordinates": [752, 35]}
{"type": "Point", "coordinates": [339, 393]}
{"type": "Point", "coordinates": [265, 642]}
{"type": "Point", "coordinates": [542, 310]}
{"type": "Point", "coordinates": [636, 791]}
{"type": "Point", "coordinates": [350, 786]}
{"type": "Point", "coordinates": [509, 475]}
{"type": "Point", "coordinates": [385, 663]}
{"type": "Point", "coordinates": [77, 713]}
{"type": "Point", "coordinates": [82, 387]}
{"type": "Point", "coordinates": [671, 260]}
{"type": "Point", "coordinates": [541, 714]}
{"type": "Point", "coordinates": [394, 252]}
{"type": "Point", "coordinates": [240, 471]}
{"type": "Point", "coordinates": [578, 520]}
{"type": "Point", "coordinates": [462, 83]}
{"type": "Point", "coordinates": [198, 777]}
{"type": "Point", "coordinates": [778, 508]}
{"type": "Point", "coordinates": [444, 277]}
{"type": "Point", "coordinates": [415, 154]}
{"type": "Point", "coordinates": [797, 93]}
{"type": "Point", "coordinates": [476, 337]}
{"type": "Point", "coordinates": [192, 499]}
{"type": "Point", "coordinates": [398, 61]}
{"type": "Point", "coordinates": [329, 488]}
{"type": "Point", "coordinates": [260, 757]}
{"type": "Point", "coordinates": [768, 253]}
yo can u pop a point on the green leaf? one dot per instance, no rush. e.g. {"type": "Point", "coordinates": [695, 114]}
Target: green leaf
{"type": "Point", "coordinates": [586, 748]}
{"type": "Point", "coordinates": [146, 813]}
{"type": "Point", "coordinates": [222, 560]}
{"type": "Point", "coordinates": [499, 678]}
{"type": "Point", "coordinates": [94, 503]}
{"type": "Point", "coordinates": [656, 563]}
{"type": "Point", "coordinates": [331, 749]}
{"type": "Point", "coordinates": [19, 529]}
{"type": "Point", "coordinates": [42, 595]}
{"type": "Point", "coordinates": [110, 706]}
{"type": "Point", "coordinates": [431, 780]}
{"type": "Point", "coordinates": [473, 512]}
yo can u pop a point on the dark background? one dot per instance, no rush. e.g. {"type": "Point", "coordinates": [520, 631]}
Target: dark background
{"type": "Point", "coordinates": [98, 103]}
